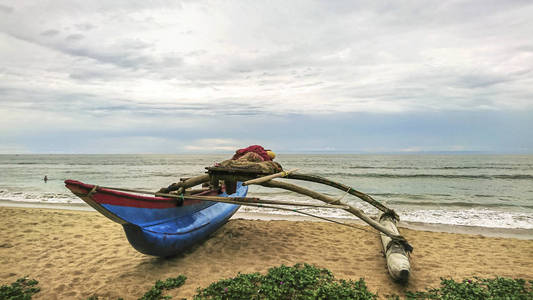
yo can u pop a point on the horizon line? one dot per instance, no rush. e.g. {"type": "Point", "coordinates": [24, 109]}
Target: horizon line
{"type": "Point", "coordinates": [318, 152]}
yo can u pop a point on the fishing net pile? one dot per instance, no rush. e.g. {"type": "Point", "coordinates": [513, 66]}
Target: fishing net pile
{"type": "Point", "coordinates": [254, 159]}
{"type": "Point", "coordinates": [252, 162]}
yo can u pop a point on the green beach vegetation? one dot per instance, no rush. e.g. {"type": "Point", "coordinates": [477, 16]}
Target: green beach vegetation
{"type": "Point", "coordinates": [156, 292]}
{"type": "Point", "coordinates": [478, 289]}
{"type": "Point", "coordinates": [297, 282]}
{"type": "Point", "coordinates": [22, 289]}
{"type": "Point", "coordinates": [303, 281]}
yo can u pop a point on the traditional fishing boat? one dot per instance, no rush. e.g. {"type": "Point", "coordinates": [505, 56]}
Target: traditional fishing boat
{"type": "Point", "coordinates": [177, 217]}
{"type": "Point", "coordinates": [159, 226]}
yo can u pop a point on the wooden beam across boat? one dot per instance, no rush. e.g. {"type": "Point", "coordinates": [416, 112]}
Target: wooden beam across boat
{"type": "Point", "coordinates": [233, 200]}
{"type": "Point", "coordinates": [181, 186]}
{"type": "Point", "coordinates": [251, 200]}
{"type": "Point", "coordinates": [268, 177]}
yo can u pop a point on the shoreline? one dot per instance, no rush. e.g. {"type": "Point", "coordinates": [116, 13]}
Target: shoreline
{"type": "Point", "coordinates": [78, 254]}
{"type": "Point", "coordinates": [518, 233]}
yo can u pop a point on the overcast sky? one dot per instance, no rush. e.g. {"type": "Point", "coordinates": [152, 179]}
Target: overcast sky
{"type": "Point", "coordinates": [295, 76]}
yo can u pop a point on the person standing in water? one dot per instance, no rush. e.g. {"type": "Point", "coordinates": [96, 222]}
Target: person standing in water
{"type": "Point", "coordinates": [45, 178]}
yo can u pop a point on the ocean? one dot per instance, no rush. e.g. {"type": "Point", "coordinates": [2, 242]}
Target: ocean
{"type": "Point", "coordinates": [494, 191]}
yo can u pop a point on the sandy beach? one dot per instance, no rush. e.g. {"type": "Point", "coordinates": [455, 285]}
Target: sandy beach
{"type": "Point", "coordinates": [76, 254]}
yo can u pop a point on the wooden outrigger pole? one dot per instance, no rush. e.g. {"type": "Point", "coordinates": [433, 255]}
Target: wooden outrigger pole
{"type": "Point", "coordinates": [330, 200]}
{"type": "Point", "coordinates": [395, 247]}
{"type": "Point", "coordinates": [345, 188]}
{"type": "Point", "coordinates": [397, 254]}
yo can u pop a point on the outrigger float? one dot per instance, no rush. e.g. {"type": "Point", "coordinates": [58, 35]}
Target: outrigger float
{"type": "Point", "coordinates": [165, 223]}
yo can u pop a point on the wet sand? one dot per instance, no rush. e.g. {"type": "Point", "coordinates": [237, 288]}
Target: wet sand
{"type": "Point", "coordinates": [76, 254]}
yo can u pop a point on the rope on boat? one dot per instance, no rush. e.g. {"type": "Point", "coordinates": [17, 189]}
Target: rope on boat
{"type": "Point", "coordinates": [341, 197]}
{"type": "Point", "coordinates": [307, 214]}
{"type": "Point", "coordinates": [92, 191]}
{"type": "Point", "coordinates": [331, 220]}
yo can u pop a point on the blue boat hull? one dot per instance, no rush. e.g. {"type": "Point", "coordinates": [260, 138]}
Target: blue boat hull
{"type": "Point", "coordinates": [173, 236]}
{"type": "Point", "coordinates": [157, 226]}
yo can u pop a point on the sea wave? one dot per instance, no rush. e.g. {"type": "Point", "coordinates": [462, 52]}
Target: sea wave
{"type": "Point", "coordinates": [470, 217]}
{"type": "Point", "coordinates": [410, 196]}
{"type": "Point", "coordinates": [444, 176]}
{"type": "Point", "coordinates": [457, 203]}
{"type": "Point", "coordinates": [489, 218]}
{"type": "Point", "coordinates": [521, 167]}
{"type": "Point", "coordinates": [39, 197]}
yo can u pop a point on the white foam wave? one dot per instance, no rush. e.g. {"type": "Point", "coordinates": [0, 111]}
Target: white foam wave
{"type": "Point", "coordinates": [470, 217]}
{"type": "Point", "coordinates": [480, 217]}
{"type": "Point", "coordinates": [39, 197]}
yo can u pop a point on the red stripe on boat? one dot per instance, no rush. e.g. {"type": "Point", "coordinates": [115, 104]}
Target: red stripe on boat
{"type": "Point", "coordinates": [108, 196]}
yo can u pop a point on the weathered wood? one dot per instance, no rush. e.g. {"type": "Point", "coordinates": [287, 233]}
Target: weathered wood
{"type": "Point", "coordinates": [196, 191]}
{"type": "Point", "coordinates": [395, 253]}
{"type": "Point", "coordinates": [352, 209]}
{"type": "Point", "coordinates": [244, 201]}
{"type": "Point", "coordinates": [193, 181]}
{"type": "Point", "coordinates": [176, 195]}
{"type": "Point", "coordinates": [345, 188]}
{"type": "Point", "coordinates": [185, 184]}
{"type": "Point", "coordinates": [226, 170]}
{"type": "Point", "coordinates": [269, 177]}
{"type": "Point", "coordinates": [261, 202]}
{"type": "Point", "coordinates": [230, 176]}
{"type": "Point", "coordinates": [249, 200]}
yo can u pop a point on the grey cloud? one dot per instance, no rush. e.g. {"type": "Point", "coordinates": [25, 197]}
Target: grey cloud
{"type": "Point", "coordinates": [50, 32]}
{"type": "Point", "coordinates": [84, 26]}
{"type": "Point", "coordinates": [480, 80]}
{"type": "Point", "coordinates": [426, 13]}
{"type": "Point", "coordinates": [6, 9]}
{"type": "Point", "coordinates": [222, 106]}
{"type": "Point", "coordinates": [74, 37]}
{"type": "Point", "coordinates": [196, 53]}
{"type": "Point", "coordinates": [525, 48]}
{"type": "Point", "coordinates": [122, 59]}
{"type": "Point", "coordinates": [86, 75]}
{"type": "Point", "coordinates": [124, 53]}
{"type": "Point", "coordinates": [129, 54]}
{"type": "Point", "coordinates": [5, 91]}
{"type": "Point", "coordinates": [94, 104]}
{"type": "Point", "coordinates": [125, 60]}
{"type": "Point", "coordinates": [136, 44]}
